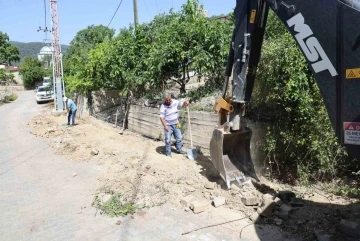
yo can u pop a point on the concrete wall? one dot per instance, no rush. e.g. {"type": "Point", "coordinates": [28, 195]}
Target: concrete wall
{"type": "Point", "coordinates": [101, 104]}
{"type": "Point", "coordinates": [104, 100]}
{"type": "Point", "coordinates": [145, 120]}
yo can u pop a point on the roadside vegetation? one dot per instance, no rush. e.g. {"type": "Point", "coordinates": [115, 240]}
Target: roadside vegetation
{"type": "Point", "coordinates": [143, 60]}
{"type": "Point", "coordinates": [114, 206]}
{"type": "Point", "coordinates": [7, 97]}
{"type": "Point", "coordinates": [9, 53]}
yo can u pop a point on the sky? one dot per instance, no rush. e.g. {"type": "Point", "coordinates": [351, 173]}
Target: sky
{"type": "Point", "coordinates": [21, 19]}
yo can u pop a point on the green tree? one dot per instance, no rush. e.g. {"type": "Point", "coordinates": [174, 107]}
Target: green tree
{"type": "Point", "coordinates": [83, 41]}
{"type": "Point", "coordinates": [300, 135]}
{"type": "Point", "coordinates": [8, 52]}
{"type": "Point", "coordinates": [12, 54]}
{"type": "Point", "coordinates": [119, 64]}
{"type": "Point", "coordinates": [186, 41]}
{"type": "Point", "coordinates": [12, 78]}
{"type": "Point", "coordinates": [32, 71]}
{"type": "Point", "coordinates": [3, 75]}
{"type": "Point", "coordinates": [6, 77]}
{"type": "Point", "coordinates": [77, 55]}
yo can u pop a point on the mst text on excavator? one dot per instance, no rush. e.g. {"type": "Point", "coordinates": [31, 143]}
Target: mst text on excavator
{"type": "Point", "coordinates": [328, 33]}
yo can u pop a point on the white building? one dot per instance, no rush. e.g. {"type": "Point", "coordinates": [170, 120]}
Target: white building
{"type": "Point", "coordinates": [46, 56]}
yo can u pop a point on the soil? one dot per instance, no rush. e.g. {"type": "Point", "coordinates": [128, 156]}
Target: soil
{"type": "Point", "coordinates": [138, 169]}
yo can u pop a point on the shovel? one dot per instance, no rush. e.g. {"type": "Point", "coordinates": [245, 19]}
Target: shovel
{"type": "Point", "coordinates": [192, 152]}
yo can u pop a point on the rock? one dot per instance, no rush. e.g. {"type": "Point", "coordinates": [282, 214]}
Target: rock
{"type": "Point", "coordinates": [234, 187]}
{"type": "Point", "coordinates": [207, 195]}
{"type": "Point", "coordinates": [267, 209]}
{"type": "Point", "coordinates": [286, 195]}
{"type": "Point", "coordinates": [216, 193]}
{"type": "Point", "coordinates": [186, 201]}
{"type": "Point", "coordinates": [250, 201]}
{"type": "Point", "coordinates": [283, 215]}
{"type": "Point", "coordinates": [285, 208]}
{"type": "Point", "coordinates": [106, 199]}
{"type": "Point", "coordinates": [219, 201]}
{"type": "Point", "coordinates": [277, 200]}
{"type": "Point", "coordinates": [350, 228]}
{"type": "Point", "coordinates": [284, 211]}
{"type": "Point", "coordinates": [74, 175]}
{"type": "Point", "coordinates": [94, 152]}
{"type": "Point", "coordinates": [268, 196]}
{"type": "Point", "coordinates": [187, 209]}
{"type": "Point", "coordinates": [210, 185]}
{"type": "Point", "coordinates": [323, 236]}
{"type": "Point", "coordinates": [51, 130]}
{"type": "Point", "coordinates": [118, 222]}
{"type": "Point", "coordinates": [278, 221]}
{"type": "Point", "coordinates": [296, 202]}
{"type": "Point", "coordinates": [200, 206]}
{"type": "Point", "coordinates": [255, 217]}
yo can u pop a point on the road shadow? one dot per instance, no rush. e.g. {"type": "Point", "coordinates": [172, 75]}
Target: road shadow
{"type": "Point", "coordinates": [305, 219]}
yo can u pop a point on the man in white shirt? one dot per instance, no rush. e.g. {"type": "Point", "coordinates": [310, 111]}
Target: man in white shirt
{"type": "Point", "coordinates": [169, 118]}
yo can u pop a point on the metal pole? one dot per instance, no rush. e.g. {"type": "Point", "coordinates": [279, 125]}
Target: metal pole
{"type": "Point", "coordinates": [53, 66]}
{"type": "Point", "coordinates": [57, 64]}
{"type": "Point", "coordinates": [136, 16]}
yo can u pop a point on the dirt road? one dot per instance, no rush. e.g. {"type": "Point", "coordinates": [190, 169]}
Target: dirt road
{"type": "Point", "coordinates": [41, 198]}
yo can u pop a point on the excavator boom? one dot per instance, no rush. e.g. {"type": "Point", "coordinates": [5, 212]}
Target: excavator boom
{"type": "Point", "coordinates": [328, 34]}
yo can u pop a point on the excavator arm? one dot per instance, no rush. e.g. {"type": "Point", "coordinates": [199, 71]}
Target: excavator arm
{"type": "Point", "coordinates": [328, 34]}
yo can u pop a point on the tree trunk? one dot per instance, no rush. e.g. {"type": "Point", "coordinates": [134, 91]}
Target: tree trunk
{"type": "Point", "coordinates": [183, 81]}
{"type": "Point", "coordinates": [182, 87]}
{"type": "Point", "coordinates": [127, 109]}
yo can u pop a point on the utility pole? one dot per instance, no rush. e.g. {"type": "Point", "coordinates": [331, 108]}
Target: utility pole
{"type": "Point", "coordinates": [58, 79]}
{"type": "Point", "coordinates": [136, 16]}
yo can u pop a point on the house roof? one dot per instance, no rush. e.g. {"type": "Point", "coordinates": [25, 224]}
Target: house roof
{"type": "Point", "coordinates": [12, 68]}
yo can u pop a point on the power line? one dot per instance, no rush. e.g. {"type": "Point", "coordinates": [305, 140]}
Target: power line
{"type": "Point", "coordinates": [92, 5]}
{"type": "Point", "coordinates": [115, 12]}
{"type": "Point", "coordinates": [146, 6]}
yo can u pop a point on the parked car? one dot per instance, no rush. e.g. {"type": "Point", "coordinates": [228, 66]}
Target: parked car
{"type": "Point", "coordinates": [46, 81]}
{"type": "Point", "coordinates": [44, 94]}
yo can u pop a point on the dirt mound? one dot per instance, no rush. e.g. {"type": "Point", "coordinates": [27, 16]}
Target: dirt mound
{"type": "Point", "coordinates": [136, 165]}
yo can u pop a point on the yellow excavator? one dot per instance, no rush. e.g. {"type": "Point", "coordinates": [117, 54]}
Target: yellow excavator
{"type": "Point", "coordinates": [328, 33]}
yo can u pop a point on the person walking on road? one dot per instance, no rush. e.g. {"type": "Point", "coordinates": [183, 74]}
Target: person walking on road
{"type": "Point", "coordinates": [71, 108]}
{"type": "Point", "coordinates": [170, 120]}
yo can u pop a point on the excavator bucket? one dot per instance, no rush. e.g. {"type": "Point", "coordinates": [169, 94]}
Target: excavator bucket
{"type": "Point", "coordinates": [230, 155]}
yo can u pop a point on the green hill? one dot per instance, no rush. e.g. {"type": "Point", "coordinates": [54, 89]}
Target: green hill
{"type": "Point", "coordinates": [31, 49]}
